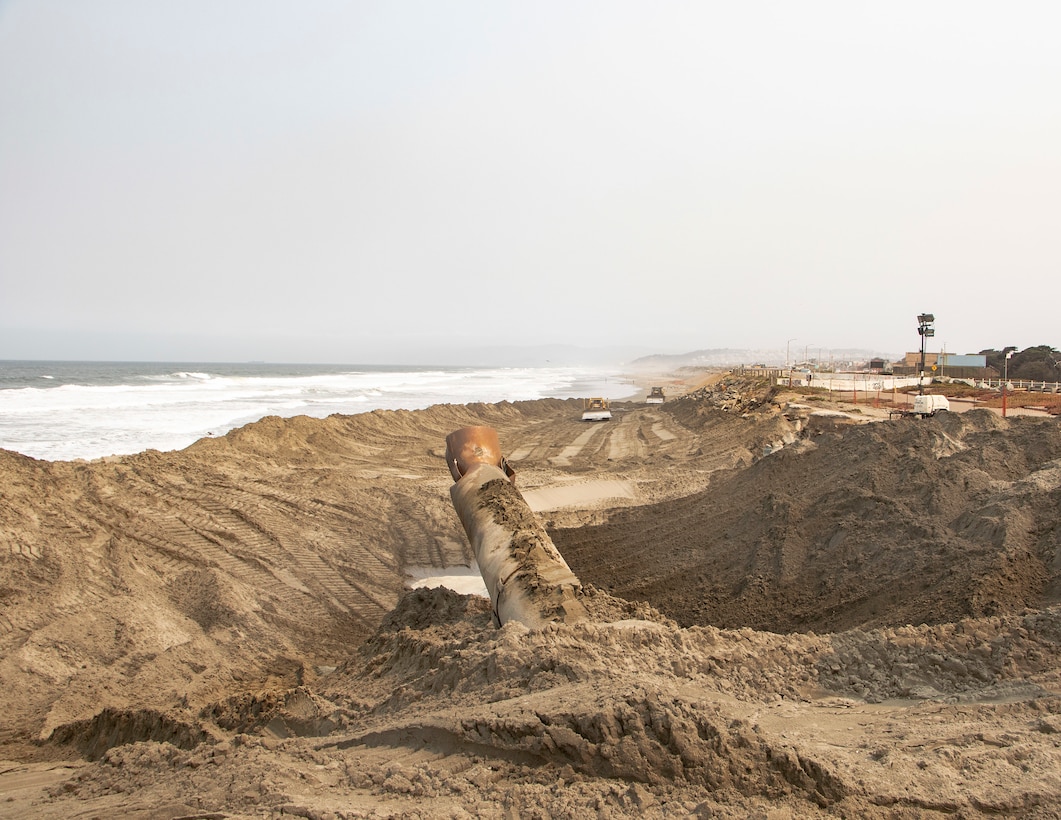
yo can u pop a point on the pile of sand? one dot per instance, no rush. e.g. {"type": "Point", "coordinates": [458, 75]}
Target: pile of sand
{"type": "Point", "coordinates": [874, 525]}
{"type": "Point", "coordinates": [793, 616]}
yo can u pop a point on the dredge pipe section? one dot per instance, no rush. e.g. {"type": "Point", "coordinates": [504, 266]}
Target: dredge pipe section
{"type": "Point", "coordinates": [527, 578]}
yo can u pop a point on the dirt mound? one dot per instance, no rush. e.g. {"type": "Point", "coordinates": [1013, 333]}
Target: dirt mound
{"type": "Point", "coordinates": [118, 727]}
{"type": "Point", "coordinates": [880, 524]}
{"type": "Point", "coordinates": [632, 716]}
{"type": "Point", "coordinates": [736, 394]}
{"type": "Point", "coordinates": [224, 630]}
{"type": "Point", "coordinates": [297, 712]}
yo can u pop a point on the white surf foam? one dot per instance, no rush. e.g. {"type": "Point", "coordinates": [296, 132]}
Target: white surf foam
{"type": "Point", "coordinates": [169, 411]}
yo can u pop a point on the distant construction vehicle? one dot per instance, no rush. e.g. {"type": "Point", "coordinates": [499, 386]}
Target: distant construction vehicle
{"type": "Point", "coordinates": [655, 396]}
{"type": "Point", "coordinates": [595, 409]}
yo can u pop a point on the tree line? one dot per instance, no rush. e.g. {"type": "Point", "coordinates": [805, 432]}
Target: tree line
{"type": "Point", "coordinates": [1038, 363]}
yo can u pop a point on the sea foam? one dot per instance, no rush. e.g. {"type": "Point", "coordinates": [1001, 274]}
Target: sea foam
{"type": "Point", "coordinates": [100, 411]}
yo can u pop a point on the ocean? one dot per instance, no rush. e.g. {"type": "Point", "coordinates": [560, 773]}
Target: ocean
{"type": "Point", "coordinates": [61, 411]}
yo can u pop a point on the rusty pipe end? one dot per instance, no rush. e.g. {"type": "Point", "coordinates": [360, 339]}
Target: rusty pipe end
{"type": "Point", "coordinates": [469, 446]}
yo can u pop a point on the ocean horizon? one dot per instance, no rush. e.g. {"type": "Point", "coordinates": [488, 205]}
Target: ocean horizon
{"type": "Point", "coordinates": [66, 410]}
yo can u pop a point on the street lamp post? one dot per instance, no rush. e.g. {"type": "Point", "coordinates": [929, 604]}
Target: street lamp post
{"type": "Point", "coordinates": [924, 329]}
{"type": "Point", "coordinates": [1005, 381]}
{"type": "Point", "coordinates": [788, 348]}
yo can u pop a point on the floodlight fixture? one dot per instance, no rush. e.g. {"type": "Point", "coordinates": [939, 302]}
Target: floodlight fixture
{"type": "Point", "coordinates": [924, 330]}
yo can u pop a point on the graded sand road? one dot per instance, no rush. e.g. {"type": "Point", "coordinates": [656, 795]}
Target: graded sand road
{"type": "Point", "coordinates": [203, 624]}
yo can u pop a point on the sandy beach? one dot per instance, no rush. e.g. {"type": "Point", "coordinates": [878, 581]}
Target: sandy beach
{"type": "Point", "coordinates": [799, 608]}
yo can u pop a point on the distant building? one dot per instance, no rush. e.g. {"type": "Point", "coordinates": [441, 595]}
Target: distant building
{"type": "Point", "coordinates": [945, 364]}
{"type": "Point", "coordinates": [911, 362]}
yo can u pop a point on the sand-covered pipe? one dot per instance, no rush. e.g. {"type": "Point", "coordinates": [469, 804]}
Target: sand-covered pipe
{"type": "Point", "coordinates": [527, 578]}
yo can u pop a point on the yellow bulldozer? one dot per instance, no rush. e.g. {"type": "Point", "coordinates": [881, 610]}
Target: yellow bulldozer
{"type": "Point", "coordinates": [595, 409]}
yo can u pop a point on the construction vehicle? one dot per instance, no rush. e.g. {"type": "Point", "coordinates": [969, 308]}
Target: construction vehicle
{"type": "Point", "coordinates": [655, 396]}
{"type": "Point", "coordinates": [595, 409]}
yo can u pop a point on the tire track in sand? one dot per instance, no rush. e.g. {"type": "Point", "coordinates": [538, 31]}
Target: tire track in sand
{"type": "Point", "coordinates": [574, 448]}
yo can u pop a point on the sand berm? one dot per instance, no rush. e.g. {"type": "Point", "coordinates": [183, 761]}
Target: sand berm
{"type": "Point", "coordinates": [800, 609]}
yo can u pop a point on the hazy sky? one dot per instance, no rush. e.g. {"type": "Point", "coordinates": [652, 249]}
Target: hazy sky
{"type": "Point", "coordinates": [382, 181]}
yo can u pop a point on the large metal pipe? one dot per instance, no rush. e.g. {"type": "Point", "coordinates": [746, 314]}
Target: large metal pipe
{"type": "Point", "coordinates": [525, 574]}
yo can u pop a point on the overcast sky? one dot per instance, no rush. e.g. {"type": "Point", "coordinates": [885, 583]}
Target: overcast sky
{"type": "Point", "coordinates": [380, 181]}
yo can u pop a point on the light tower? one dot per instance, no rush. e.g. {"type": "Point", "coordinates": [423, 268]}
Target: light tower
{"type": "Point", "coordinates": [1005, 380]}
{"type": "Point", "coordinates": [924, 329]}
